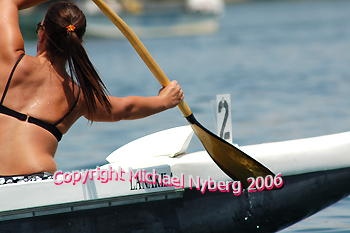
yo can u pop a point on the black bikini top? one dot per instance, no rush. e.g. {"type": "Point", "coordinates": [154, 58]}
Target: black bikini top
{"type": "Point", "coordinates": [52, 128]}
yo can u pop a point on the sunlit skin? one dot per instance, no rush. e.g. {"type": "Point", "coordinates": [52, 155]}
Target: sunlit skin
{"type": "Point", "coordinates": [44, 90]}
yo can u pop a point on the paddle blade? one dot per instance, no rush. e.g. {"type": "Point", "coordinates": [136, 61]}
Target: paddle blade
{"type": "Point", "coordinates": [234, 162]}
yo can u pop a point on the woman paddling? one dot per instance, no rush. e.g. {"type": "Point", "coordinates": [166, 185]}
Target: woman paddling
{"type": "Point", "coordinates": [40, 100]}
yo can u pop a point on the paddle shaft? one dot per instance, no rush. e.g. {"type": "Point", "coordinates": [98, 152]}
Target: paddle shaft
{"type": "Point", "coordinates": [141, 50]}
{"type": "Point", "coordinates": [234, 162]}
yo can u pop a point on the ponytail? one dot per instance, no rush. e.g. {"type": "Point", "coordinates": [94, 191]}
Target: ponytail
{"type": "Point", "coordinates": [65, 26]}
{"type": "Point", "coordinates": [91, 84]}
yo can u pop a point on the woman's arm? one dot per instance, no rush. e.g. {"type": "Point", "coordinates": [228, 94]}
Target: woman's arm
{"type": "Point", "coordinates": [24, 4]}
{"type": "Point", "coordinates": [11, 41]}
{"type": "Point", "coordinates": [136, 107]}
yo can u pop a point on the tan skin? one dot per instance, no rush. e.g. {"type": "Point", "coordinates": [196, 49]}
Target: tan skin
{"type": "Point", "coordinates": [44, 90]}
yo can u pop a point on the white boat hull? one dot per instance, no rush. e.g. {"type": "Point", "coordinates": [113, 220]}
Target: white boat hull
{"type": "Point", "coordinates": [315, 173]}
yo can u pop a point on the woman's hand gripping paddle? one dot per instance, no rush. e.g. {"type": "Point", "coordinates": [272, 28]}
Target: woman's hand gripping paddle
{"type": "Point", "coordinates": [234, 162]}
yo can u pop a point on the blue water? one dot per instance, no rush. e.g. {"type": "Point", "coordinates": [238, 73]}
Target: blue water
{"type": "Point", "coordinates": [285, 64]}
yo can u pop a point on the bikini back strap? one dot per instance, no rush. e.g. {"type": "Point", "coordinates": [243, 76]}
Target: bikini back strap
{"type": "Point", "coordinates": [9, 80]}
{"type": "Point", "coordinates": [70, 110]}
{"type": "Point", "coordinates": [49, 127]}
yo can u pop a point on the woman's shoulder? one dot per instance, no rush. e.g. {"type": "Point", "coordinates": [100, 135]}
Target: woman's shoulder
{"type": "Point", "coordinates": [25, 64]}
{"type": "Point", "coordinates": [9, 65]}
{"type": "Point", "coordinates": [17, 58]}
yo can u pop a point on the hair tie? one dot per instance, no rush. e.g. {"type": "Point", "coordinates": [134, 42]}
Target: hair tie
{"type": "Point", "coordinates": [70, 28]}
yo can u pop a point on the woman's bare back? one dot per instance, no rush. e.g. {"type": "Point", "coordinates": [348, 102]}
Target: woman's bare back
{"type": "Point", "coordinates": [36, 90]}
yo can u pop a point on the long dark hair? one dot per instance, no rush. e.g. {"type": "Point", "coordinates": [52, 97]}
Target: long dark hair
{"type": "Point", "coordinates": [67, 44]}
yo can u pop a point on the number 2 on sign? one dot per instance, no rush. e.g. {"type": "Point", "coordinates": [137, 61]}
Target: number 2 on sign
{"type": "Point", "coordinates": [261, 183]}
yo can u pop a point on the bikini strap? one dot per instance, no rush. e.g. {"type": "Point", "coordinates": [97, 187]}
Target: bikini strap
{"type": "Point", "coordinates": [9, 80]}
{"type": "Point", "coordinates": [70, 110]}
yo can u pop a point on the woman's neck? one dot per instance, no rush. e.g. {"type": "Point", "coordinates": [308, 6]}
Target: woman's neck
{"type": "Point", "coordinates": [59, 65]}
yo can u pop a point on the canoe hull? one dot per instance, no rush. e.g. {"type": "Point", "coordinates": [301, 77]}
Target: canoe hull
{"type": "Point", "coordinates": [191, 211]}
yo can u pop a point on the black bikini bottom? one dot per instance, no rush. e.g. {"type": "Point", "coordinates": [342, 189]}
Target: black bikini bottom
{"type": "Point", "coordinates": [25, 178]}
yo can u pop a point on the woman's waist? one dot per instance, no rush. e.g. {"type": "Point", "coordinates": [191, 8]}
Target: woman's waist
{"type": "Point", "coordinates": [24, 161]}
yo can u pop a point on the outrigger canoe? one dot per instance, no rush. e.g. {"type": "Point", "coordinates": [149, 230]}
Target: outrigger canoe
{"type": "Point", "coordinates": [150, 188]}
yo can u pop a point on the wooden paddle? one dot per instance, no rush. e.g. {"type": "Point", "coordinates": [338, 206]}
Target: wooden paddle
{"type": "Point", "coordinates": [234, 162]}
